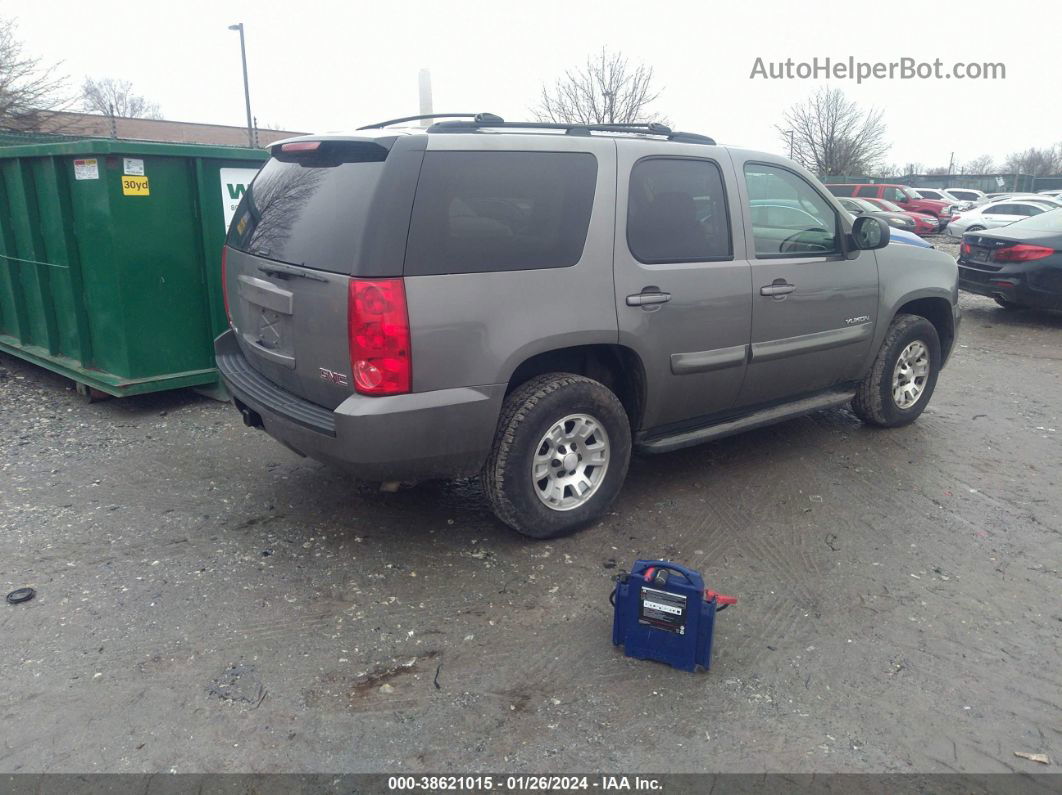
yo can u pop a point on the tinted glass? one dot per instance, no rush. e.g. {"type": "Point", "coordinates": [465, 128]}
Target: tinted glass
{"type": "Point", "coordinates": [893, 195]}
{"type": "Point", "coordinates": [676, 211]}
{"type": "Point", "coordinates": [310, 210]}
{"type": "Point", "coordinates": [789, 217]}
{"type": "Point", "coordinates": [841, 190]}
{"type": "Point", "coordinates": [1046, 222]}
{"type": "Point", "coordinates": [497, 211]}
{"type": "Point", "coordinates": [887, 205]}
{"type": "Point", "coordinates": [867, 190]}
{"type": "Point", "coordinates": [1029, 209]}
{"type": "Point", "coordinates": [1002, 209]}
{"type": "Point", "coordinates": [965, 195]}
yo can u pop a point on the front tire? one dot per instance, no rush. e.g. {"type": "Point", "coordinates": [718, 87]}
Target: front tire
{"type": "Point", "coordinates": [904, 374]}
{"type": "Point", "coordinates": [560, 455]}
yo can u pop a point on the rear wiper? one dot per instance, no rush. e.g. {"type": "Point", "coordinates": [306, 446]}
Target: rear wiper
{"type": "Point", "coordinates": [281, 272]}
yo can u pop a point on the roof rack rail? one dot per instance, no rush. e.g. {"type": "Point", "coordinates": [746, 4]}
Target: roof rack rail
{"type": "Point", "coordinates": [466, 122]}
{"type": "Point", "coordinates": [479, 117]}
{"type": "Point", "coordinates": [462, 122]}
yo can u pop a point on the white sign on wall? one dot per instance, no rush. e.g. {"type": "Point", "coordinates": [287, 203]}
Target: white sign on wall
{"type": "Point", "coordinates": [234, 182]}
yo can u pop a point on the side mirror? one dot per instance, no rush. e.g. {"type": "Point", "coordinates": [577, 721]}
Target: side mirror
{"type": "Point", "coordinates": [869, 233]}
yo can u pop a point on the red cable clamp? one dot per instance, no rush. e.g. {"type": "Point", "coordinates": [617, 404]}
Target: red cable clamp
{"type": "Point", "coordinates": [721, 599]}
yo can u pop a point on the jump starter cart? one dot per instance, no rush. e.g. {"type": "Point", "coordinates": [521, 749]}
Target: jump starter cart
{"type": "Point", "coordinates": [664, 613]}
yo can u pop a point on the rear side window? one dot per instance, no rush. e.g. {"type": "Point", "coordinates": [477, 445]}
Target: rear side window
{"type": "Point", "coordinates": [500, 211]}
{"type": "Point", "coordinates": [868, 190]}
{"type": "Point", "coordinates": [310, 208]}
{"type": "Point", "coordinates": [676, 211]}
{"type": "Point", "coordinates": [841, 190]}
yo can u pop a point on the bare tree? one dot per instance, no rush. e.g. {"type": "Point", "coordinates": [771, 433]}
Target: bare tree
{"type": "Point", "coordinates": [607, 90]}
{"type": "Point", "coordinates": [1037, 162]}
{"type": "Point", "coordinates": [980, 165]}
{"type": "Point", "coordinates": [831, 135]}
{"type": "Point", "coordinates": [937, 171]}
{"type": "Point", "coordinates": [116, 98]}
{"type": "Point", "coordinates": [31, 93]}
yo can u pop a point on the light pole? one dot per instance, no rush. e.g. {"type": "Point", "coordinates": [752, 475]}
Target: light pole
{"type": "Point", "coordinates": [246, 88]}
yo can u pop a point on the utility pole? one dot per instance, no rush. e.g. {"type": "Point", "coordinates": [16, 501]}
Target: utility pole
{"type": "Point", "coordinates": [424, 84]}
{"type": "Point", "coordinates": [246, 88]}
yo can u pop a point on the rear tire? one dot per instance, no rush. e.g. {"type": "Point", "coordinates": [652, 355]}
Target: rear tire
{"type": "Point", "coordinates": [560, 455]}
{"type": "Point", "coordinates": [904, 374]}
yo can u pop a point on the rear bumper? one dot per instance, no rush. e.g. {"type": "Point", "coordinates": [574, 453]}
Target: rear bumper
{"type": "Point", "coordinates": [1039, 287]}
{"type": "Point", "coordinates": [445, 433]}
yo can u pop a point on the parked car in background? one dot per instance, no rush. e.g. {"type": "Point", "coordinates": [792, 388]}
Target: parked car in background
{"type": "Point", "coordinates": [1054, 201]}
{"type": "Point", "coordinates": [1019, 266]}
{"type": "Point", "coordinates": [924, 224]}
{"type": "Point", "coordinates": [945, 195]}
{"type": "Point", "coordinates": [1054, 193]}
{"type": "Point", "coordinates": [898, 219]}
{"type": "Point", "coordinates": [996, 214]}
{"type": "Point", "coordinates": [901, 237]}
{"type": "Point", "coordinates": [971, 195]}
{"type": "Point", "coordinates": [528, 305]}
{"type": "Point", "coordinates": [904, 196]}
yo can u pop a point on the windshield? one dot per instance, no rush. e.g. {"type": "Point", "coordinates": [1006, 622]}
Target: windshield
{"type": "Point", "coordinates": [888, 205]}
{"type": "Point", "coordinates": [1046, 222]}
{"type": "Point", "coordinates": [865, 206]}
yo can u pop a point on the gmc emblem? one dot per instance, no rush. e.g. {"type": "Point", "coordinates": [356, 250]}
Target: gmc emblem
{"type": "Point", "coordinates": [332, 377]}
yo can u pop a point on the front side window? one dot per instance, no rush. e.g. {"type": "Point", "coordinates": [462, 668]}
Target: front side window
{"type": "Point", "coordinates": [894, 195]}
{"type": "Point", "coordinates": [500, 211]}
{"type": "Point", "coordinates": [676, 211]}
{"type": "Point", "coordinates": [789, 217]}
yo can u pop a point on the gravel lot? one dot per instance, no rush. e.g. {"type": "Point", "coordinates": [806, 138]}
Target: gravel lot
{"type": "Point", "coordinates": [208, 601]}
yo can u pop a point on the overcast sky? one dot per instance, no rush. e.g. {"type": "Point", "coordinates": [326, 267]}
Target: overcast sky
{"type": "Point", "coordinates": [317, 66]}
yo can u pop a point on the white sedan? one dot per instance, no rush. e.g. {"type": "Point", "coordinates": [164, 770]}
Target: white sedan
{"type": "Point", "coordinates": [998, 213]}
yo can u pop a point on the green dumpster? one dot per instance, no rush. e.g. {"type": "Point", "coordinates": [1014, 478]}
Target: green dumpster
{"type": "Point", "coordinates": [110, 255]}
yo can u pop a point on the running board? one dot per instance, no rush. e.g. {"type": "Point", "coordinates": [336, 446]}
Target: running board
{"type": "Point", "coordinates": [758, 419]}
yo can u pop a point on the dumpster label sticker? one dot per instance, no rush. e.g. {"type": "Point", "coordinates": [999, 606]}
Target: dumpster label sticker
{"type": "Point", "coordinates": [133, 166]}
{"type": "Point", "coordinates": [234, 182]}
{"type": "Point", "coordinates": [87, 168]}
{"type": "Point", "coordinates": [135, 186]}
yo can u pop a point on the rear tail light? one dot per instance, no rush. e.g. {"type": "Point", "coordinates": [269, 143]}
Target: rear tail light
{"type": "Point", "coordinates": [300, 146]}
{"type": "Point", "coordinates": [378, 329]}
{"type": "Point", "coordinates": [1021, 252]}
{"type": "Point", "coordinates": [225, 285]}
{"type": "Point", "coordinates": [965, 247]}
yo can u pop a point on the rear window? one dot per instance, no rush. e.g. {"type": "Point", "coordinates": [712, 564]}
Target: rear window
{"type": "Point", "coordinates": [500, 211]}
{"type": "Point", "coordinates": [310, 208]}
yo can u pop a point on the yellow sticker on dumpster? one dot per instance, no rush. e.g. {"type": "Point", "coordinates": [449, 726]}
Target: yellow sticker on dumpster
{"type": "Point", "coordinates": [135, 186]}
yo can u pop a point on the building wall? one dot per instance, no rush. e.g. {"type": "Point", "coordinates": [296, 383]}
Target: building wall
{"type": "Point", "coordinates": [91, 125]}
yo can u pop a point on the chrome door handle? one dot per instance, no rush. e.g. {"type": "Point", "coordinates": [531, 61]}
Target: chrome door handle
{"type": "Point", "coordinates": [646, 299]}
{"type": "Point", "coordinates": [778, 288]}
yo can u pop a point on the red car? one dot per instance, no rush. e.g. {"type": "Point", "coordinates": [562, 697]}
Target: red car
{"type": "Point", "coordinates": [924, 224]}
{"type": "Point", "coordinates": [902, 195]}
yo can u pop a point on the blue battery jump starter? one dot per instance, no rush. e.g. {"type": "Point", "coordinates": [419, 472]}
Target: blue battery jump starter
{"type": "Point", "coordinates": [664, 612]}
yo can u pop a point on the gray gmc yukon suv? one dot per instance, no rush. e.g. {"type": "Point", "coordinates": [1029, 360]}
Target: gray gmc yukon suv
{"type": "Point", "coordinates": [529, 303]}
